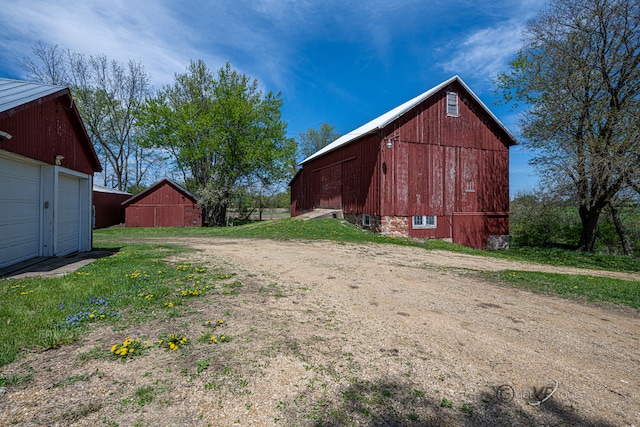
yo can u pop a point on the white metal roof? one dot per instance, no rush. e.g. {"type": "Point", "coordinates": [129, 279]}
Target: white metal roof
{"type": "Point", "coordinates": [388, 117]}
{"type": "Point", "coordinates": [101, 189]}
{"type": "Point", "coordinates": [14, 93]}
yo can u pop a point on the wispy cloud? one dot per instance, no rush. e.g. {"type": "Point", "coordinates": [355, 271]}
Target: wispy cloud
{"type": "Point", "coordinates": [485, 53]}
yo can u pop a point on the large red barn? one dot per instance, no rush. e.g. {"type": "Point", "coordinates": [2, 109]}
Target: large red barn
{"type": "Point", "coordinates": [164, 204]}
{"type": "Point", "coordinates": [435, 167]}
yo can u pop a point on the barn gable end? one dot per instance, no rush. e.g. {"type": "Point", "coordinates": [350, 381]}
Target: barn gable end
{"type": "Point", "coordinates": [164, 204]}
{"type": "Point", "coordinates": [424, 169]}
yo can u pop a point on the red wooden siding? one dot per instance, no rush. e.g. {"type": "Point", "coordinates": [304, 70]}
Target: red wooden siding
{"type": "Point", "coordinates": [163, 205]}
{"type": "Point", "coordinates": [109, 210]}
{"type": "Point", "coordinates": [49, 127]}
{"type": "Point", "coordinates": [424, 163]}
{"type": "Point", "coordinates": [345, 179]}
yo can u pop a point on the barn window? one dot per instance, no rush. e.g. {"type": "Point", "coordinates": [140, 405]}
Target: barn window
{"type": "Point", "coordinates": [452, 104]}
{"type": "Point", "coordinates": [424, 221]}
{"type": "Point", "coordinates": [366, 220]}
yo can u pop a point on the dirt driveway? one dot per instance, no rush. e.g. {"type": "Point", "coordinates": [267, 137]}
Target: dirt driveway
{"type": "Point", "coordinates": [346, 334]}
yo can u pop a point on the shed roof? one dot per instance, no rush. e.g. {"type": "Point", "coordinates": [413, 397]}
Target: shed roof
{"type": "Point", "coordinates": [157, 185]}
{"type": "Point", "coordinates": [14, 93]}
{"type": "Point", "coordinates": [101, 189]}
{"type": "Point", "coordinates": [388, 117]}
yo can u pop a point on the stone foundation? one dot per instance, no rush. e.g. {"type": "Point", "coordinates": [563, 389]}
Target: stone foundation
{"type": "Point", "coordinates": [395, 226]}
{"type": "Point", "coordinates": [498, 242]}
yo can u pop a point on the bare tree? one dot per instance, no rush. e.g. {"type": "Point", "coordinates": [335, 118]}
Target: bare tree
{"type": "Point", "coordinates": [107, 94]}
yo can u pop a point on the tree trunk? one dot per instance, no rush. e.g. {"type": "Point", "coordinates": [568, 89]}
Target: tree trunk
{"type": "Point", "coordinates": [217, 215]}
{"type": "Point", "coordinates": [589, 218]}
{"type": "Point", "coordinates": [624, 239]}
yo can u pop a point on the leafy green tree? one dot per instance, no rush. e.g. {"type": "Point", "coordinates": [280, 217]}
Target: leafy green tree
{"type": "Point", "coordinates": [313, 140]}
{"type": "Point", "coordinates": [225, 134]}
{"type": "Point", "coordinates": [578, 71]}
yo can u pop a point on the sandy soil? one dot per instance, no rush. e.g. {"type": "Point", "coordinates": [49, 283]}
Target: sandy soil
{"type": "Point", "coordinates": [343, 334]}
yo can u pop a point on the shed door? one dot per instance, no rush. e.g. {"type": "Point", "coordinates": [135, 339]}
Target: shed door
{"type": "Point", "coordinates": [68, 215]}
{"type": "Point", "coordinates": [19, 211]}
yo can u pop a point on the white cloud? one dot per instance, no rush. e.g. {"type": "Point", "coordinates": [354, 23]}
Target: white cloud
{"type": "Point", "coordinates": [485, 53]}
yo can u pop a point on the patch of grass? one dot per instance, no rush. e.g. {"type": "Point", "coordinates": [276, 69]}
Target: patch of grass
{"type": "Point", "coordinates": [145, 395]}
{"type": "Point", "coordinates": [576, 286]}
{"type": "Point", "coordinates": [13, 380]}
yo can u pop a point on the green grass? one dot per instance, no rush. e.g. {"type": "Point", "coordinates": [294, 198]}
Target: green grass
{"type": "Point", "coordinates": [590, 288]}
{"type": "Point", "coordinates": [49, 312]}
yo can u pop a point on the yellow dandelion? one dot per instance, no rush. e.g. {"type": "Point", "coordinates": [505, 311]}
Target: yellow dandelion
{"type": "Point", "coordinates": [214, 339]}
{"type": "Point", "coordinates": [113, 349]}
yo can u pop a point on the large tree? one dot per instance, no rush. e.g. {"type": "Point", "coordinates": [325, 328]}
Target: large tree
{"type": "Point", "coordinates": [107, 94]}
{"type": "Point", "coordinates": [313, 140]}
{"type": "Point", "coordinates": [225, 134]}
{"type": "Point", "coordinates": [579, 73]}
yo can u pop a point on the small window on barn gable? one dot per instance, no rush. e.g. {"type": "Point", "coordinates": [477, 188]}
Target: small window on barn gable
{"type": "Point", "coordinates": [424, 221]}
{"type": "Point", "coordinates": [452, 104]}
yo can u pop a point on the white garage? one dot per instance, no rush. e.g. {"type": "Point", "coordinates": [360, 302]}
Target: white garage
{"type": "Point", "coordinates": [47, 164]}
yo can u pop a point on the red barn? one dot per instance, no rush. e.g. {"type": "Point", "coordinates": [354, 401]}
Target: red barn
{"type": "Point", "coordinates": [164, 204]}
{"type": "Point", "coordinates": [47, 164]}
{"type": "Point", "coordinates": [107, 204]}
{"type": "Point", "coordinates": [435, 167]}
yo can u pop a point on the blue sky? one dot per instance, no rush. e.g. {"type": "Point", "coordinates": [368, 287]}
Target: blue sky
{"type": "Point", "coordinates": [337, 61]}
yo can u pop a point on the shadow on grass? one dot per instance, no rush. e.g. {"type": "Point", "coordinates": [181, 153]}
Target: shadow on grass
{"type": "Point", "coordinates": [394, 403]}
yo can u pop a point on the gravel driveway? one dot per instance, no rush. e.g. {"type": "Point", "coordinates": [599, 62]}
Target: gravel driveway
{"type": "Point", "coordinates": [362, 334]}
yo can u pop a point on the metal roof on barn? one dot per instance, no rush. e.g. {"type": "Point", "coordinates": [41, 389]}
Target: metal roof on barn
{"type": "Point", "coordinates": [14, 93]}
{"type": "Point", "coordinates": [388, 117]}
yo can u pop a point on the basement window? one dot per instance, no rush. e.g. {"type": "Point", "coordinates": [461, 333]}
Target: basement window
{"type": "Point", "coordinates": [452, 104]}
{"type": "Point", "coordinates": [366, 220]}
{"type": "Point", "coordinates": [424, 221]}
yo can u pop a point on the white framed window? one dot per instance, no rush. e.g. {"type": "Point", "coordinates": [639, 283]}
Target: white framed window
{"type": "Point", "coordinates": [452, 104]}
{"type": "Point", "coordinates": [424, 221]}
{"type": "Point", "coordinates": [366, 220]}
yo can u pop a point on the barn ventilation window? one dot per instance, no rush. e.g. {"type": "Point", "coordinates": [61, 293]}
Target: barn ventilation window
{"type": "Point", "coordinates": [366, 220]}
{"type": "Point", "coordinates": [452, 104]}
{"type": "Point", "coordinates": [424, 221]}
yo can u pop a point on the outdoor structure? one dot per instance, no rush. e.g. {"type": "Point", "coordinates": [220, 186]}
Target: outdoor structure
{"type": "Point", "coordinates": [435, 167]}
{"type": "Point", "coordinates": [107, 205]}
{"type": "Point", "coordinates": [164, 204]}
{"type": "Point", "coordinates": [47, 164]}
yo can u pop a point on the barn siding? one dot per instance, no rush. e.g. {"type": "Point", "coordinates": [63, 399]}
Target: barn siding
{"type": "Point", "coordinates": [343, 179]}
{"type": "Point", "coordinates": [108, 208]}
{"type": "Point", "coordinates": [42, 130]}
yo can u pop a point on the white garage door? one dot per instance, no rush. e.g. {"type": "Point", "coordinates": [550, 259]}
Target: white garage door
{"type": "Point", "coordinates": [68, 215]}
{"type": "Point", "coordinates": [19, 211]}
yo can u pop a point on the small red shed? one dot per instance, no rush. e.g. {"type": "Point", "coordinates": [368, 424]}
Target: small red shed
{"type": "Point", "coordinates": [164, 204]}
{"type": "Point", "coordinates": [107, 205]}
{"type": "Point", "coordinates": [435, 167]}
